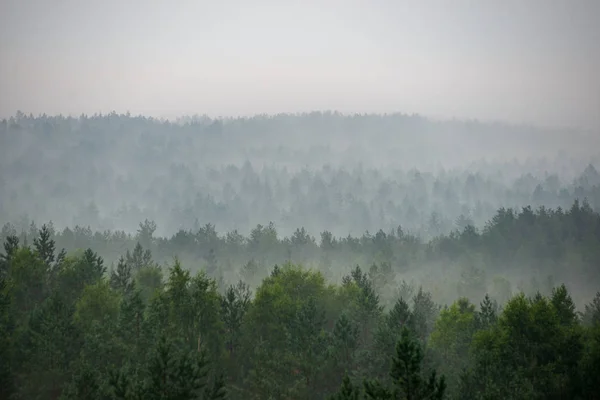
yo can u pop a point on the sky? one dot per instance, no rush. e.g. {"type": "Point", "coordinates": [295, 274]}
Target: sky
{"type": "Point", "coordinates": [525, 61]}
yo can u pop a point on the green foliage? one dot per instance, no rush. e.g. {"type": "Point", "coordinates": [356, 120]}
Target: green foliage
{"type": "Point", "coordinates": [46, 345]}
{"type": "Point", "coordinates": [534, 347]}
{"type": "Point", "coordinates": [406, 372]}
{"type": "Point", "coordinates": [589, 365]}
{"type": "Point", "coordinates": [388, 333]}
{"type": "Point", "coordinates": [148, 280]}
{"type": "Point", "coordinates": [344, 341]}
{"type": "Point", "coordinates": [131, 326]}
{"type": "Point", "coordinates": [70, 330]}
{"type": "Point", "coordinates": [407, 379]}
{"type": "Point", "coordinates": [85, 384]}
{"type": "Point", "coordinates": [452, 335]}
{"type": "Point", "coordinates": [563, 306]}
{"type": "Point", "coordinates": [97, 304]}
{"type": "Point", "coordinates": [347, 392]}
{"type": "Point", "coordinates": [234, 305]}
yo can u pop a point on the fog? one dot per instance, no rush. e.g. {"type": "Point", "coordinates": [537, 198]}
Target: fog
{"type": "Point", "coordinates": [440, 115]}
{"type": "Point", "coordinates": [322, 171]}
{"type": "Point", "coordinates": [522, 62]}
{"type": "Point", "coordinates": [299, 186]}
{"type": "Point", "coordinates": [205, 185]}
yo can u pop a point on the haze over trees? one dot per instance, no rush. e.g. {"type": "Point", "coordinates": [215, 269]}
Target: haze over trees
{"type": "Point", "coordinates": [74, 328]}
{"type": "Point", "coordinates": [322, 171]}
{"type": "Point", "coordinates": [182, 218]}
{"type": "Point", "coordinates": [297, 256]}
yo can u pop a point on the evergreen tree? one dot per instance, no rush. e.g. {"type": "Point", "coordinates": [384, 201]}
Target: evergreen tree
{"type": "Point", "coordinates": [139, 259]}
{"type": "Point", "coordinates": [234, 305]}
{"type": "Point", "coordinates": [488, 313]}
{"type": "Point", "coordinates": [345, 340]}
{"type": "Point", "coordinates": [347, 392]}
{"type": "Point", "coordinates": [406, 372]}
{"type": "Point", "coordinates": [121, 279]}
{"type": "Point", "coordinates": [564, 306]}
{"type": "Point", "coordinates": [424, 313]}
{"type": "Point", "coordinates": [45, 246]}
{"type": "Point", "coordinates": [11, 245]}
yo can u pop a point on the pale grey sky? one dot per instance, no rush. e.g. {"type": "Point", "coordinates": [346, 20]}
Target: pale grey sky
{"type": "Point", "coordinates": [516, 60]}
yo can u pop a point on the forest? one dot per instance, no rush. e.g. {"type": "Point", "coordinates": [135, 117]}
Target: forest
{"type": "Point", "coordinates": [76, 327]}
{"type": "Point", "coordinates": [309, 256]}
{"type": "Point", "coordinates": [322, 171]}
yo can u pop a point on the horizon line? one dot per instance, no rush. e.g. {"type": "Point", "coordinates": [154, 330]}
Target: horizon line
{"type": "Point", "coordinates": [329, 112]}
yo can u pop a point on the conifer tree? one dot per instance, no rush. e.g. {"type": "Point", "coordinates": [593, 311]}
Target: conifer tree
{"type": "Point", "coordinates": [121, 279]}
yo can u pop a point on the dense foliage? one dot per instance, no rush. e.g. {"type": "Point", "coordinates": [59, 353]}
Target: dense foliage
{"type": "Point", "coordinates": [517, 250]}
{"type": "Point", "coordinates": [406, 259]}
{"type": "Point", "coordinates": [74, 326]}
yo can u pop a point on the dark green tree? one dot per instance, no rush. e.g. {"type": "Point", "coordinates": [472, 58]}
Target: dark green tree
{"type": "Point", "coordinates": [347, 392]}
{"type": "Point", "coordinates": [488, 313]}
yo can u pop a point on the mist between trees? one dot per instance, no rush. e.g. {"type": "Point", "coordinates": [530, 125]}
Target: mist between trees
{"type": "Point", "coordinates": [304, 256]}
{"type": "Point", "coordinates": [322, 171]}
{"type": "Point", "coordinates": [468, 315]}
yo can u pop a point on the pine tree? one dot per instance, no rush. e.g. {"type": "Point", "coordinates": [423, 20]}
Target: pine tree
{"type": "Point", "coordinates": [407, 378]}
{"type": "Point", "coordinates": [234, 305]}
{"type": "Point", "coordinates": [45, 246]}
{"type": "Point", "coordinates": [345, 339]}
{"type": "Point", "coordinates": [488, 313]}
{"type": "Point", "coordinates": [347, 392]}
{"type": "Point", "coordinates": [388, 334]}
{"type": "Point", "coordinates": [306, 340]}
{"type": "Point", "coordinates": [11, 245]}
{"type": "Point", "coordinates": [406, 366]}
{"type": "Point", "coordinates": [52, 342]}
{"type": "Point", "coordinates": [131, 323]}
{"type": "Point", "coordinates": [93, 267]}
{"type": "Point", "coordinates": [399, 315]}
{"type": "Point", "coordinates": [424, 314]}
{"type": "Point", "coordinates": [174, 376]}
{"type": "Point", "coordinates": [563, 304]}
{"type": "Point", "coordinates": [121, 279]}
{"type": "Point", "coordinates": [140, 258]}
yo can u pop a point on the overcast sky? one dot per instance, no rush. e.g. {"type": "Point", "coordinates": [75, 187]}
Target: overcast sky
{"type": "Point", "coordinates": [515, 60]}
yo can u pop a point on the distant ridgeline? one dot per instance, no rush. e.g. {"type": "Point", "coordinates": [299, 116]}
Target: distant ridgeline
{"type": "Point", "coordinates": [73, 327]}
{"type": "Point", "coordinates": [323, 171]}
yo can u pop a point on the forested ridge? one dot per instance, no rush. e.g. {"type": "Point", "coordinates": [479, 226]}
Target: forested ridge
{"type": "Point", "coordinates": [385, 315]}
{"type": "Point", "coordinates": [307, 256]}
{"type": "Point", "coordinates": [233, 200]}
{"type": "Point", "coordinates": [323, 171]}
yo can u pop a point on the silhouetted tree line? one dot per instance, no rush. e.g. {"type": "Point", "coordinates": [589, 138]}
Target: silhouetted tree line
{"type": "Point", "coordinates": [73, 327]}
